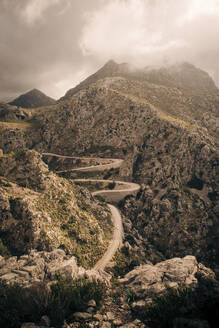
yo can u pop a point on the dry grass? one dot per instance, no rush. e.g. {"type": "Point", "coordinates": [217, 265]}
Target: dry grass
{"type": "Point", "coordinates": [16, 125]}
{"type": "Point", "coordinates": [177, 120]}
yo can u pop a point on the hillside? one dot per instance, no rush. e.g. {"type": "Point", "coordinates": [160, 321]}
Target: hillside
{"type": "Point", "coordinates": [44, 212]}
{"type": "Point", "coordinates": [168, 138]}
{"type": "Point", "coordinates": [162, 123]}
{"type": "Point", "coordinates": [31, 99]}
{"type": "Point", "coordinates": [183, 75]}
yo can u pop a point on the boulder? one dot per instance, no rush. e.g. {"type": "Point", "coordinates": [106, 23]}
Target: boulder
{"type": "Point", "coordinates": [38, 266]}
{"type": "Point", "coordinates": [148, 280]}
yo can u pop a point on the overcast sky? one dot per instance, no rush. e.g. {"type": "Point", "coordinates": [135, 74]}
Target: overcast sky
{"type": "Point", "coordinates": [54, 44]}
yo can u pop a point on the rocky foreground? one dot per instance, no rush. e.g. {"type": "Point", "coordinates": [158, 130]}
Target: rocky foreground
{"type": "Point", "coordinates": [126, 302]}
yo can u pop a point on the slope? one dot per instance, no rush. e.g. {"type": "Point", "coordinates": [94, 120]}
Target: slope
{"type": "Point", "coordinates": [31, 99]}
{"type": "Point", "coordinates": [184, 75]}
{"type": "Point", "coordinates": [168, 138]}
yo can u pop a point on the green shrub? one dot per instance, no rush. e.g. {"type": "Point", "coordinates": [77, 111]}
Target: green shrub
{"type": "Point", "coordinates": [69, 297]}
{"type": "Point", "coordinates": [19, 304]}
{"type": "Point", "coordinates": [112, 185]}
{"type": "Point", "coordinates": [125, 261]}
{"type": "Point", "coordinates": [164, 308]}
{"type": "Point", "coordinates": [3, 249]}
{"type": "Point", "coordinates": [199, 303]}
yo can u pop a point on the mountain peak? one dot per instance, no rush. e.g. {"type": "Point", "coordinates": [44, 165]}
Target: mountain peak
{"type": "Point", "coordinates": [110, 63]}
{"type": "Point", "coordinates": [184, 75]}
{"type": "Point", "coordinates": [32, 98]}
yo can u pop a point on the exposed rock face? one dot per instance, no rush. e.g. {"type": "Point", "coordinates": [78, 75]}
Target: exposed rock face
{"type": "Point", "coordinates": [144, 282]}
{"type": "Point", "coordinates": [12, 113]}
{"type": "Point", "coordinates": [38, 266]}
{"type": "Point", "coordinates": [43, 266]}
{"type": "Point", "coordinates": [147, 280]}
{"type": "Point", "coordinates": [182, 75]}
{"type": "Point", "coordinates": [26, 169]}
{"type": "Point", "coordinates": [194, 286]}
{"type": "Point", "coordinates": [32, 99]}
{"type": "Point", "coordinates": [42, 211]}
{"type": "Point", "coordinates": [171, 219]}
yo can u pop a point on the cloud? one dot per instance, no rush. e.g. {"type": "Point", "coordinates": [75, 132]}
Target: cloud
{"type": "Point", "coordinates": [53, 44]}
{"type": "Point", "coordinates": [32, 11]}
{"type": "Point", "coordinates": [147, 32]}
{"type": "Point", "coordinates": [35, 8]}
{"type": "Point", "coordinates": [39, 46]}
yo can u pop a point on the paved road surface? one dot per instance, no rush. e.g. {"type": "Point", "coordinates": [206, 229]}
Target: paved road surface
{"type": "Point", "coordinates": [115, 243]}
{"type": "Point", "coordinates": [109, 195]}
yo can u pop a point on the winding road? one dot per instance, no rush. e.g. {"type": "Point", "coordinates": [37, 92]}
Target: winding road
{"type": "Point", "coordinates": [114, 196]}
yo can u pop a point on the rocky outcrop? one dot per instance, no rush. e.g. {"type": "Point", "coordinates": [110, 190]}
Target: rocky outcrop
{"type": "Point", "coordinates": [12, 113]}
{"type": "Point", "coordinates": [179, 292]}
{"type": "Point", "coordinates": [141, 285]}
{"type": "Point", "coordinates": [168, 220]}
{"type": "Point", "coordinates": [183, 75]}
{"type": "Point", "coordinates": [38, 267]}
{"type": "Point", "coordinates": [147, 280]}
{"type": "Point", "coordinates": [26, 168]}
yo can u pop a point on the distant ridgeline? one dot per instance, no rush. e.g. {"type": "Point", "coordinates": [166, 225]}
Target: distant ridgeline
{"type": "Point", "coordinates": [32, 99]}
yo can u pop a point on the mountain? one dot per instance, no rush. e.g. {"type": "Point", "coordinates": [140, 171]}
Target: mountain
{"type": "Point", "coordinates": [32, 99]}
{"type": "Point", "coordinates": [183, 75]}
{"type": "Point", "coordinates": [167, 137]}
{"type": "Point", "coordinates": [162, 123]}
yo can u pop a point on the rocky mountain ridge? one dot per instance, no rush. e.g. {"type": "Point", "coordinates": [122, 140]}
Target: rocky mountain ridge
{"type": "Point", "coordinates": [183, 75]}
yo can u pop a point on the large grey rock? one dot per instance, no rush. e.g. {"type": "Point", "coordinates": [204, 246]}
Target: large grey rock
{"type": "Point", "coordinates": [67, 269]}
{"type": "Point", "coordinates": [46, 266]}
{"type": "Point", "coordinates": [149, 280]}
{"type": "Point", "coordinates": [39, 266]}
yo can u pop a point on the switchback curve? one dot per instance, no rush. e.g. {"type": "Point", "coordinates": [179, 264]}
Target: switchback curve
{"type": "Point", "coordinates": [115, 195]}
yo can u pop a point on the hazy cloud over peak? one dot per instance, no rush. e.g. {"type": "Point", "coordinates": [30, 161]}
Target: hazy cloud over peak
{"type": "Point", "coordinates": [152, 32]}
{"type": "Point", "coordinates": [54, 44]}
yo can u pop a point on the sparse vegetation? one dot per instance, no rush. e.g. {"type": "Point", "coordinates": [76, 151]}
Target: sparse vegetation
{"type": "Point", "coordinates": [200, 302]}
{"type": "Point", "coordinates": [112, 185]}
{"type": "Point", "coordinates": [59, 301]}
{"type": "Point", "coordinates": [125, 261]}
{"type": "Point", "coordinates": [3, 249]}
{"type": "Point", "coordinates": [164, 308]}
{"type": "Point", "coordinates": [72, 226]}
{"type": "Point", "coordinates": [68, 218]}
